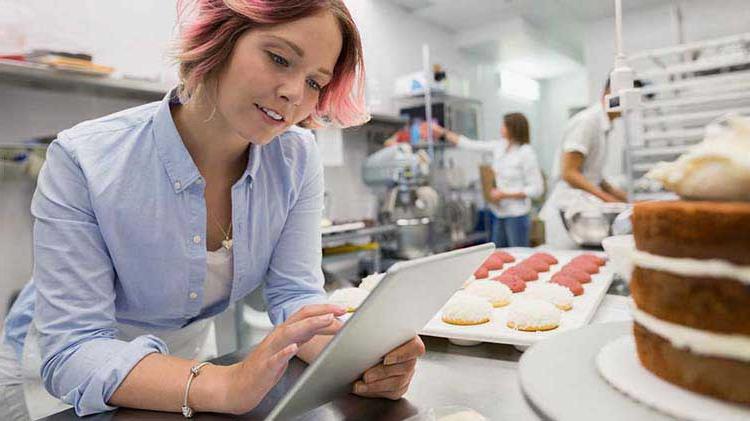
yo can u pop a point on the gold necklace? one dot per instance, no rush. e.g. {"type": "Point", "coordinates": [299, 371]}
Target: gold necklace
{"type": "Point", "coordinates": [227, 241]}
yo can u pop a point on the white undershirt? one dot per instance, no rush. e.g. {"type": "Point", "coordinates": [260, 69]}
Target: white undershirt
{"type": "Point", "coordinates": [219, 274]}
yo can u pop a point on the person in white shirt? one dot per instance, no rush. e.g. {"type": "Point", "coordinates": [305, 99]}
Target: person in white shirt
{"type": "Point", "coordinates": [579, 168]}
{"type": "Point", "coordinates": [517, 177]}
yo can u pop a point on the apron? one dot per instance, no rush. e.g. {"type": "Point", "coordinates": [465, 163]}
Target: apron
{"type": "Point", "coordinates": [196, 341]}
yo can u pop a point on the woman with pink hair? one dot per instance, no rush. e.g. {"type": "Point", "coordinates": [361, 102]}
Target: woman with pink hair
{"type": "Point", "coordinates": [150, 221]}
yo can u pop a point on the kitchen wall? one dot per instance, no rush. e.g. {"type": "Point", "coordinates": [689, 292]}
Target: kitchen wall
{"type": "Point", "coordinates": [559, 97]}
{"type": "Point", "coordinates": [134, 37]}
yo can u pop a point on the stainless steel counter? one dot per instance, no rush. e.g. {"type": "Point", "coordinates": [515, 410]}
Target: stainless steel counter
{"type": "Point", "coordinates": [483, 378]}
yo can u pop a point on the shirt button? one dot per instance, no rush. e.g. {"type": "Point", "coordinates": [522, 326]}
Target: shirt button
{"type": "Point", "coordinates": [199, 180]}
{"type": "Point", "coordinates": [193, 295]}
{"type": "Point", "coordinates": [197, 239]}
{"type": "Point", "coordinates": [177, 185]}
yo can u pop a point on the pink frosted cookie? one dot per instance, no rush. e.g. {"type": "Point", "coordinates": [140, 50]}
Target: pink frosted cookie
{"type": "Point", "coordinates": [570, 283]}
{"type": "Point", "coordinates": [525, 273]}
{"type": "Point", "coordinates": [481, 273]}
{"type": "Point", "coordinates": [494, 262]}
{"type": "Point", "coordinates": [577, 274]}
{"type": "Point", "coordinates": [513, 282]}
{"type": "Point", "coordinates": [537, 264]}
{"type": "Point", "coordinates": [507, 257]}
{"type": "Point", "coordinates": [550, 259]}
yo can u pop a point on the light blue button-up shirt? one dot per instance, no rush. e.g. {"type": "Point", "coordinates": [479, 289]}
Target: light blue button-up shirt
{"type": "Point", "coordinates": [119, 237]}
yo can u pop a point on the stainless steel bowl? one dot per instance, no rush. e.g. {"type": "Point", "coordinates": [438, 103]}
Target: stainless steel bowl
{"type": "Point", "coordinates": [589, 226]}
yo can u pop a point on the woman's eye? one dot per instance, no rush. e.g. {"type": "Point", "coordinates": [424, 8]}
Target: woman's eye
{"type": "Point", "coordinates": [315, 85]}
{"type": "Point", "coordinates": [281, 61]}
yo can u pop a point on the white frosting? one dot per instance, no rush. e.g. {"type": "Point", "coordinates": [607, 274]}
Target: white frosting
{"type": "Point", "coordinates": [467, 308]}
{"type": "Point", "coordinates": [551, 293]}
{"type": "Point", "coordinates": [530, 313]}
{"type": "Point", "coordinates": [492, 291]}
{"type": "Point", "coordinates": [698, 341]}
{"type": "Point", "coordinates": [369, 282]}
{"type": "Point", "coordinates": [716, 169]}
{"type": "Point", "coordinates": [712, 268]}
{"type": "Point", "coordinates": [349, 298]}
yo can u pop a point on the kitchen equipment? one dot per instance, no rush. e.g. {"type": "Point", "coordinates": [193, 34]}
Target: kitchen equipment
{"type": "Point", "coordinates": [408, 202]}
{"type": "Point", "coordinates": [590, 223]}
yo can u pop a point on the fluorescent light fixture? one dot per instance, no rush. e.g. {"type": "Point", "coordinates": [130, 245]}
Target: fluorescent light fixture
{"type": "Point", "coordinates": [518, 86]}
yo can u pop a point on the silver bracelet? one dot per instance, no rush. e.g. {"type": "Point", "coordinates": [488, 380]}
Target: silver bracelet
{"type": "Point", "coordinates": [194, 371]}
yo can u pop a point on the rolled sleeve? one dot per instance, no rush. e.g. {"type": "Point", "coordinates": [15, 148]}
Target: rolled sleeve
{"type": "Point", "coordinates": [82, 362]}
{"type": "Point", "coordinates": [580, 137]}
{"type": "Point", "coordinates": [295, 278]}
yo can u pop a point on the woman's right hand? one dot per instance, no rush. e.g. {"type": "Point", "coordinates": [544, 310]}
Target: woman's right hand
{"type": "Point", "coordinates": [250, 380]}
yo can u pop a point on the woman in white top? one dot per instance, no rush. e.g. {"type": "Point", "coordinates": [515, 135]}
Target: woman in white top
{"type": "Point", "coordinates": [517, 177]}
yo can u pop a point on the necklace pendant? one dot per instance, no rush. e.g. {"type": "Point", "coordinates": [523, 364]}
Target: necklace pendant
{"type": "Point", "coordinates": [227, 244]}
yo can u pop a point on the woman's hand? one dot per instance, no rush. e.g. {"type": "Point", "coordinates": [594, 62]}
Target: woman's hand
{"type": "Point", "coordinates": [497, 195]}
{"type": "Point", "coordinates": [392, 377]}
{"type": "Point", "coordinates": [249, 381]}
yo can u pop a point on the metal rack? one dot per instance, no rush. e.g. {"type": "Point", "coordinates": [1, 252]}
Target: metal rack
{"type": "Point", "coordinates": [43, 77]}
{"type": "Point", "coordinates": [686, 87]}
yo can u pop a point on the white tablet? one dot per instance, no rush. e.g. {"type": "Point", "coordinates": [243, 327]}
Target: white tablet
{"type": "Point", "coordinates": [400, 306]}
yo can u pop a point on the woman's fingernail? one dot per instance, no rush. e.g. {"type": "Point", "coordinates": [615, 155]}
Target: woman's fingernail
{"type": "Point", "coordinates": [326, 318]}
{"type": "Point", "coordinates": [360, 388]}
{"type": "Point", "coordinates": [390, 360]}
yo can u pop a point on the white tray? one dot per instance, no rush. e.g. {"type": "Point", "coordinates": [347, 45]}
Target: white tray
{"type": "Point", "coordinates": [584, 307]}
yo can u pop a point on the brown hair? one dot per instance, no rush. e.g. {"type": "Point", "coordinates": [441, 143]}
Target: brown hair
{"type": "Point", "coordinates": [518, 127]}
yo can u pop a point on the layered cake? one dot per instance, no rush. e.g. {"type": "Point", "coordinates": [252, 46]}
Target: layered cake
{"type": "Point", "coordinates": [691, 282]}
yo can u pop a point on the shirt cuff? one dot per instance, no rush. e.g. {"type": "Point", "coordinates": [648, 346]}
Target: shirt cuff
{"type": "Point", "coordinates": [280, 314]}
{"type": "Point", "coordinates": [92, 397]}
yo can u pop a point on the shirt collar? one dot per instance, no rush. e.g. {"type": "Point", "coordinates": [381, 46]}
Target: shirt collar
{"type": "Point", "coordinates": [181, 169]}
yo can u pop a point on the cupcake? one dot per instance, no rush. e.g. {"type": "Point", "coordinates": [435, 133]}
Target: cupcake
{"type": "Point", "coordinates": [555, 294]}
{"type": "Point", "coordinates": [532, 315]}
{"type": "Point", "coordinates": [348, 298]}
{"type": "Point", "coordinates": [465, 309]}
{"type": "Point", "coordinates": [369, 282]}
{"type": "Point", "coordinates": [494, 292]}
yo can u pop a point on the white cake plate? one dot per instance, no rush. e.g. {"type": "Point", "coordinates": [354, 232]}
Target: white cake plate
{"type": "Point", "coordinates": [560, 380]}
{"type": "Point", "coordinates": [618, 363]}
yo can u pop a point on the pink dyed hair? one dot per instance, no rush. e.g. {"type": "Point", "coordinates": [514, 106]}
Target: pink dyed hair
{"type": "Point", "coordinates": [207, 39]}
